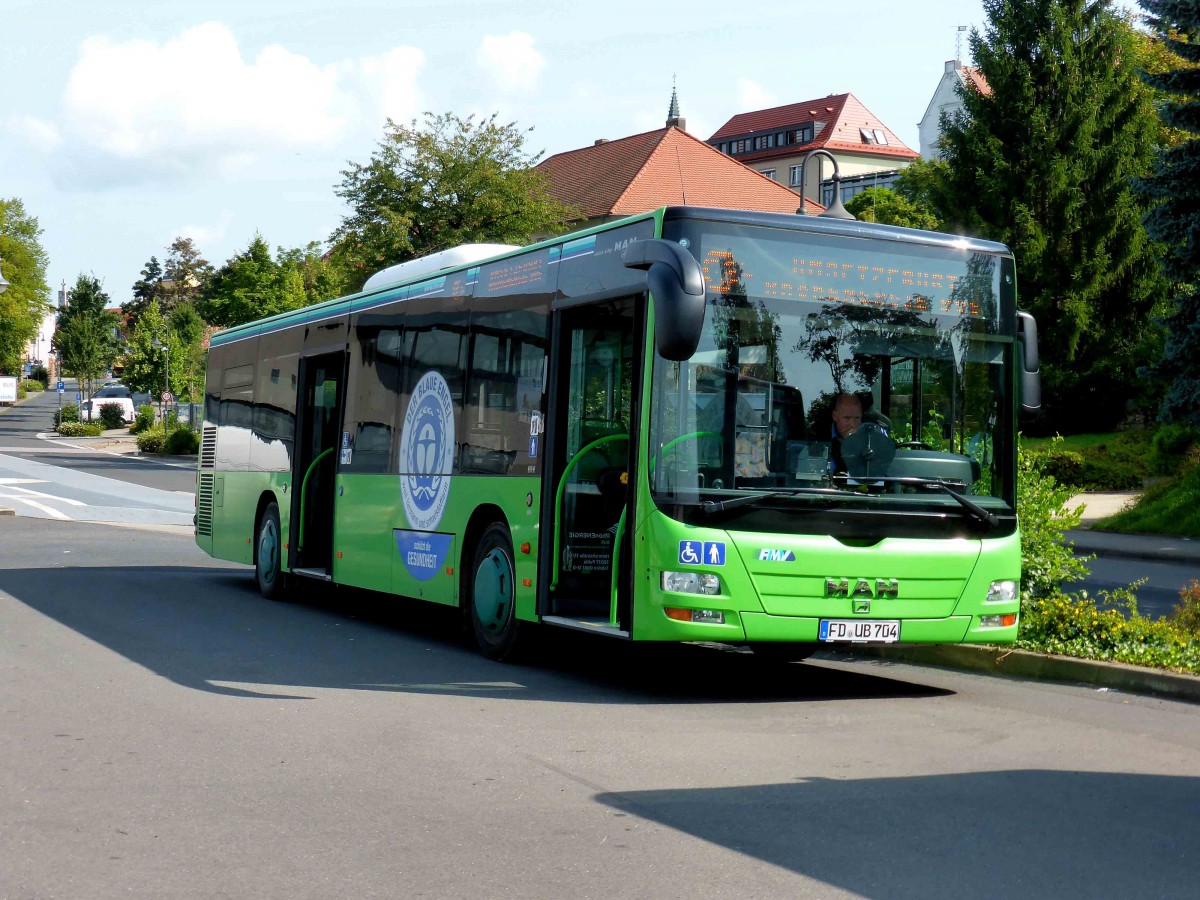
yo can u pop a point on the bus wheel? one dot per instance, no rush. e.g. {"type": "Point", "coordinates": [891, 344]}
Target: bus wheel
{"type": "Point", "coordinates": [267, 550]}
{"type": "Point", "coordinates": [490, 594]}
{"type": "Point", "coordinates": [783, 651]}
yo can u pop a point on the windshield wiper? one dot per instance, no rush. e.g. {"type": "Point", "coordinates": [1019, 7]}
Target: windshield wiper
{"type": "Point", "coordinates": [983, 515]}
{"type": "Point", "coordinates": [716, 506]}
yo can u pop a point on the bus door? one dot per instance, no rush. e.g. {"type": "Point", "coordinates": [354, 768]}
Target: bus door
{"type": "Point", "coordinates": [591, 431]}
{"type": "Point", "coordinates": [318, 444]}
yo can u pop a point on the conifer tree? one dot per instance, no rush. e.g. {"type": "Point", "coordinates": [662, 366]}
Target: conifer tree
{"type": "Point", "coordinates": [1043, 161]}
{"type": "Point", "coordinates": [1175, 189]}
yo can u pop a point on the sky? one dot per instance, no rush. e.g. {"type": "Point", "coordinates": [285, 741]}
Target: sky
{"type": "Point", "coordinates": [126, 125]}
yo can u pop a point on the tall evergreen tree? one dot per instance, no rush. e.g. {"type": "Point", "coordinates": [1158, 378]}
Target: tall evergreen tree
{"type": "Point", "coordinates": [1174, 187]}
{"type": "Point", "coordinates": [144, 289]}
{"type": "Point", "coordinates": [1043, 162]}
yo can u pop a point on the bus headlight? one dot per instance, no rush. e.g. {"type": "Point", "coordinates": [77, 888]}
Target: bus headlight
{"type": "Point", "coordinates": [1002, 592]}
{"type": "Point", "coordinates": [691, 583]}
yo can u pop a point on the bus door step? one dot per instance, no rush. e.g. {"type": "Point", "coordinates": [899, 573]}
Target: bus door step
{"type": "Point", "coordinates": [590, 624]}
{"type": "Point", "coordinates": [319, 574]}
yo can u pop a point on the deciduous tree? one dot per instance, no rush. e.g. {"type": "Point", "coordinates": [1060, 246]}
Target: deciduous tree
{"type": "Point", "coordinates": [252, 285]}
{"type": "Point", "coordinates": [433, 186]}
{"type": "Point", "coordinates": [27, 298]}
{"type": "Point", "coordinates": [887, 207]}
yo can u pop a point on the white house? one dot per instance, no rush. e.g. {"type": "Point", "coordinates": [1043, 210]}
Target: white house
{"type": "Point", "coordinates": [946, 99]}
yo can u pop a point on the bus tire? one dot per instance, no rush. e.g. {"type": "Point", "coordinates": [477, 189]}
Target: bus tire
{"type": "Point", "coordinates": [490, 594]}
{"type": "Point", "coordinates": [268, 552]}
{"type": "Point", "coordinates": [783, 651]}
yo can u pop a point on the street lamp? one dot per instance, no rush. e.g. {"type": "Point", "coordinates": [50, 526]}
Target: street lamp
{"type": "Point", "coordinates": [165, 345]}
{"type": "Point", "coordinates": [835, 210]}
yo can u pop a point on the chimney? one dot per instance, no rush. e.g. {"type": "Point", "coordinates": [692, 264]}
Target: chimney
{"type": "Point", "coordinates": [600, 141]}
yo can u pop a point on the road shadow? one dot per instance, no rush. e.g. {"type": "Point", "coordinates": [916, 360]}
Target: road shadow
{"type": "Point", "coordinates": [208, 629]}
{"type": "Point", "coordinates": [1024, 833]}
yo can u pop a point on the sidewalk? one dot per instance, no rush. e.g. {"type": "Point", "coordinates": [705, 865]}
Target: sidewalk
{"type": "Point", "coordinates": [1151, 547]}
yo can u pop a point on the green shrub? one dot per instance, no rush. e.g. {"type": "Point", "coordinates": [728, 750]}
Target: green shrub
{"type": "Point", "coordinates": [183, 441]}
{"type": "Point", "coordinates": [112, 415]}
{"type": "Point", "coordinates": [152, 441]}
{"type": "Point", "coordinates": [1046, 559]}
{"type": "Point", "coordinates": [1075, 626]}
{"type": "Point", "coordinates": [69, 413]}
{"type": "Point", "coordinates": [80, 429]}
{"type": "Point", "coordinates": [1186, 615]}
{"type": "Point", "coordinates": [144, 419]}
{"type": "Point", "coordinates": [1171, 447]}
{"type": "Point", "coordinates": [40, 373]}
{"type": "Point", "coordinates": [33, 385]}
{"type": "Point", "coordinates": [1104, 462]}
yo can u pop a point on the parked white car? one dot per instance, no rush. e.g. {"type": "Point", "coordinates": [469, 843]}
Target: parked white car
{"type": "Point", "coordinates": [110, 393]}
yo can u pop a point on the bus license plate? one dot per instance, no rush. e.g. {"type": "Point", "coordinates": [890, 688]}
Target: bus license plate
{"type": "Point", "coordinates": [884, 631]}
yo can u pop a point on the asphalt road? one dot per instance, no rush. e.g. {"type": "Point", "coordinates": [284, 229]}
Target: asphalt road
{"type": "Point", "coordinates": [1159, 594]}
{"type": "Point", "coordinates": [167, 733]}
{"type": "Point", "coordinates": [43, 476]}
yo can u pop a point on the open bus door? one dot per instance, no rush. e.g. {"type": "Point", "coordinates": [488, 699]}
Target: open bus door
{"type": "Point", "coordinates": [589, 488]}
{"type": "Point", "coordinates": [318, 443]}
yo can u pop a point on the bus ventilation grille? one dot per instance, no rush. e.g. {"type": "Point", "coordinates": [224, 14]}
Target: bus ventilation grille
{"type": "Point", "coordinates": [208, 447]}
{"type": "Point", "coordinates": [204, 504]}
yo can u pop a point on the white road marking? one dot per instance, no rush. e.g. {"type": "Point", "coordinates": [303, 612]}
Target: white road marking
{"type": "Point", "coordinates": [48, 510]}
{"type": "Point", "coordinates": [27, 492]}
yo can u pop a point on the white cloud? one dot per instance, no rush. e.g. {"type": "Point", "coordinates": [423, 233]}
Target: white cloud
{"type": "Point", "coordinates": [510, 61]}
{"type": "Point", "coordinates": [204, 235]}
{"type": "Point", "coordinates": [194, 105]}
{"type": "Point", "coordinates": [752, 96]}
{"type": "Point", "coordinates": [38, 133]}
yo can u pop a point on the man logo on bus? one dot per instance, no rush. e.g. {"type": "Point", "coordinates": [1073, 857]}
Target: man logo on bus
{"type": "Point", "coordinates": [427, 452]}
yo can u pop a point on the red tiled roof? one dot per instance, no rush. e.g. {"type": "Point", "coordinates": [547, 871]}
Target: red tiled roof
{"type": "Point", "coordinates": [975, 78]}
{"type": "Point", "coordinates": [666, 167]}
{"type": "Point", "coordinates": [843, 117]}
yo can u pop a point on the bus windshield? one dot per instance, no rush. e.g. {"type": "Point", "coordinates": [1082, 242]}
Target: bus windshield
{"type": "Point", "coordinates": [910, 343]}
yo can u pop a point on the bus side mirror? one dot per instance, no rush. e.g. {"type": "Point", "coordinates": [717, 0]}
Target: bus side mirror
{"type": "Point", "coordinates": [1031, 370]}
{"type": "Point", "coordinates": [677, 284]}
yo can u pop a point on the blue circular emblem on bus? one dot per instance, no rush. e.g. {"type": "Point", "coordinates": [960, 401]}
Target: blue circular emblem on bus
{"type": "Point", "coordinates": [427, 452]}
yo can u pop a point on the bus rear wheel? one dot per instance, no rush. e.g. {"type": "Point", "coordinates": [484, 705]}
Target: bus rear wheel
{"type": "Point", "coordinates": [268, 549]}
{"type": "Point", "coordinates": [490, 594]}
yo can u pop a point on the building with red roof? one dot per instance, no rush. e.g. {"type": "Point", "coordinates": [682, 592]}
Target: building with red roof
{"type": "Point", "coordinates": [775, 142]}
{"type": "Point", "coordinates": [665, 167]}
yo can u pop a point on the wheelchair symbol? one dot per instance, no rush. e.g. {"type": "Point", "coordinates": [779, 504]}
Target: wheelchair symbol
{"type": "Point", "coordinates": [689, 553]}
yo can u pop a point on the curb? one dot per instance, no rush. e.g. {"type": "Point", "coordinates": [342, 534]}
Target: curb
{"type": "Point", "coordinates": [1047, 666]}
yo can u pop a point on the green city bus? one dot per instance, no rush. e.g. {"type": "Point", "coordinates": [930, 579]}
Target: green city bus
{"type": "Point", "coordinates": [629, 431]}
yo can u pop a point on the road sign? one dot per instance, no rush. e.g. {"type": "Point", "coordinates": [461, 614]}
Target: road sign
{"type": "Point", "coordinates": [166, 397]}
{"type": "Point", "coordinates": [62, 386]}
